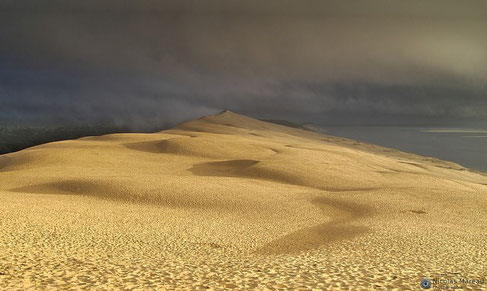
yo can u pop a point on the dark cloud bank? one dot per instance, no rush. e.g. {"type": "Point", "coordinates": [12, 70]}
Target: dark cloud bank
{"type": "Point", "coordinates": [145, 65]}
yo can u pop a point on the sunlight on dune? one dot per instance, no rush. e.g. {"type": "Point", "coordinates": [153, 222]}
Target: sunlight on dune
{"type": "Point", "coordinates": [228, 201]}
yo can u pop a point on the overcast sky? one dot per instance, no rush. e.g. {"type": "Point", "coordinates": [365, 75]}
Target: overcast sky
{"type": "Point", "coordinates": [149, 63]}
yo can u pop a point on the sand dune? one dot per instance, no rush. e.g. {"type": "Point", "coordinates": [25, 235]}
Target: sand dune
{"type": "Point", "coordinates": [227, 201]}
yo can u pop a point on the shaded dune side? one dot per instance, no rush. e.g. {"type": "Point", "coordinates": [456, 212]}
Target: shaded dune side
{"type": "Point", "coordinates": [342, 213]}
{"type": "Point", "coordinates": [4, 162]}
{"type": "Point", "coordinates": [117, 192]}
{"type": "Point", "coordinates": [249, 169]}
{"type": "Point", "coordinates": [254, 169]}
{"type": "Point", "coordinates": [159, 146]}
{"type": "Point", "coordinates": [231, 168]}
{"type": "Point", "coordinates": [12, 163]}
{"type": "Point", "coordinates": [198, 147]}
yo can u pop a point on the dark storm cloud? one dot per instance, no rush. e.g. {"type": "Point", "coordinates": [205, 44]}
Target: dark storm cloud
{"type": "Point", "coordinates": [146, 62]}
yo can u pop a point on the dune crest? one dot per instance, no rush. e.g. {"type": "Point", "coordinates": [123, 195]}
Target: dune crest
{"type": "Point", "coordinates": [229, 201]}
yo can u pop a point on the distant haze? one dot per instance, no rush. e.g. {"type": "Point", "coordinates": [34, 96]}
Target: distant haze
{"type": "Point", "coordinates": [144, 64]}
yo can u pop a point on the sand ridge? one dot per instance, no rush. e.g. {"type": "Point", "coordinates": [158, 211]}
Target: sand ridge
{"type": "Point", "coordinates": [231, 202]}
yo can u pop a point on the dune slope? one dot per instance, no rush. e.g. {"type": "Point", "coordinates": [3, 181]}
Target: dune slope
{"type": "Point", "coordinates": [228, 201]}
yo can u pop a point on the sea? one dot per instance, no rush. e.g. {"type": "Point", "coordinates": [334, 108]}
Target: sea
{"type": "Point", "coordinates": [464, 146]}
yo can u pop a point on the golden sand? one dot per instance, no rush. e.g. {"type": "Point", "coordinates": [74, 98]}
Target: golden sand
{"type": "Point", "coordinates": [227, 202]}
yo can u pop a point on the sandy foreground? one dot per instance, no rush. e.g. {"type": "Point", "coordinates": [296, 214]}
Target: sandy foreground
{"type": "Point", "coordinates": [227, 202]}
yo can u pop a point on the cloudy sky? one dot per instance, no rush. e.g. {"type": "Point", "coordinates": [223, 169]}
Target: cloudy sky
{"type": "Point", "coordinates": [149, 63]}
